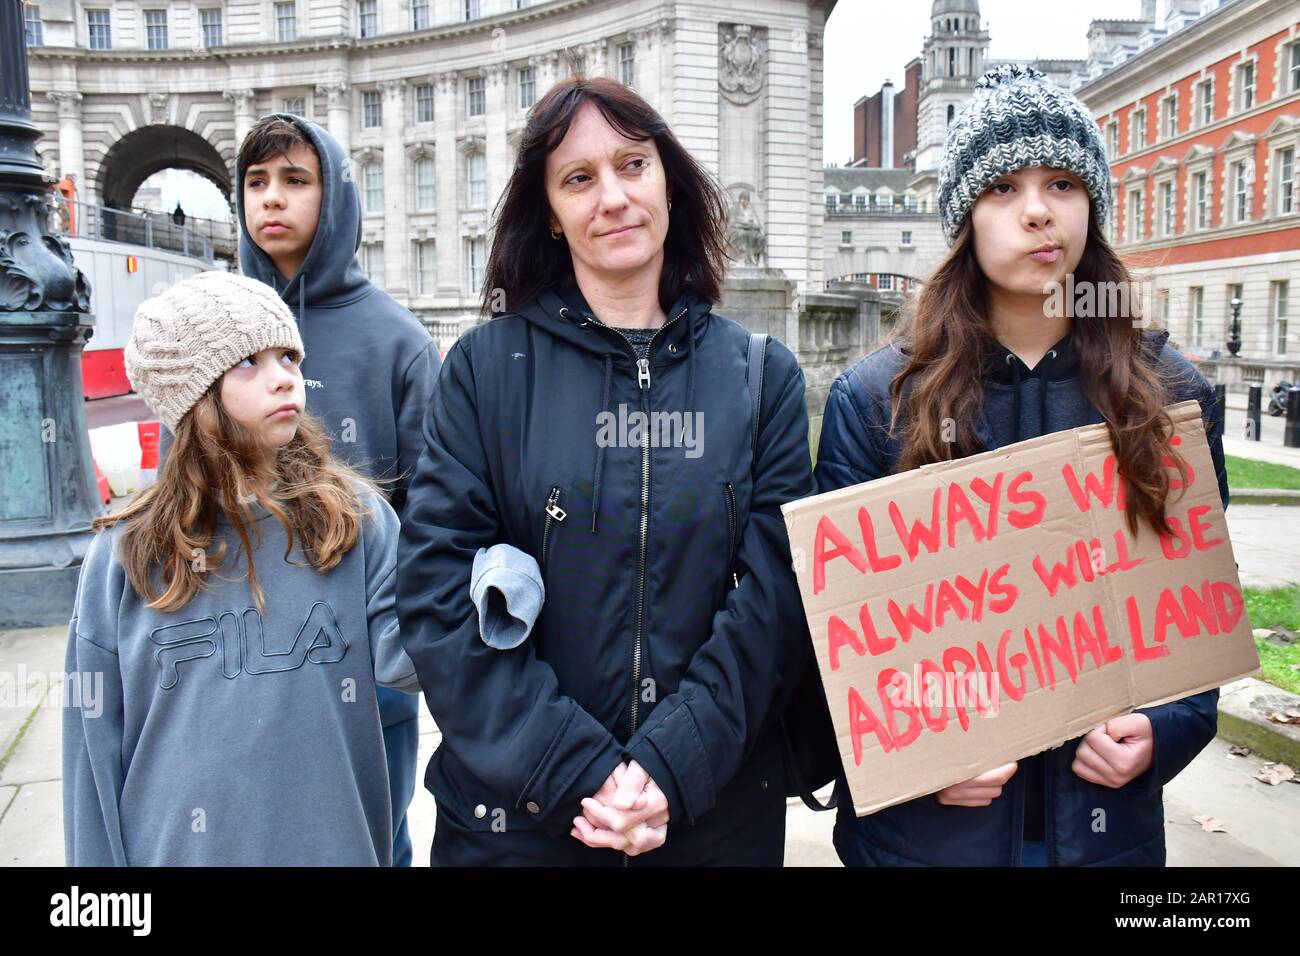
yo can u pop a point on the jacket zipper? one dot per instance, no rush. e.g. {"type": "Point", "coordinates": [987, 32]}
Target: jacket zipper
{"type": "Point", "coordinates": [643, 383]}
{"type": "Point", "coordinates": [554, 514]}
{"type": "Point", "coordinates": [731, 533]}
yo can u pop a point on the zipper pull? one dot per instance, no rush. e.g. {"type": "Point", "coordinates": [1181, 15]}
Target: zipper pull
{"type": "Point", "coordinates": [643, 372]}
{"type": "Point", "coordinates": [553, 508]}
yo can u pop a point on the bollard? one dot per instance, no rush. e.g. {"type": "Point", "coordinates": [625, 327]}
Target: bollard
{"type": "Point", "coordinates": [1291, 437]}
{"type": "Point", "coordinates": [1221, 399]}
{"type": "Point", "coordinates": [1252, 411]}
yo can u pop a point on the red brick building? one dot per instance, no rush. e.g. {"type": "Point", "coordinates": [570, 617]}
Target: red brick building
{"type": "Point", "coordinates": [1203, 129]}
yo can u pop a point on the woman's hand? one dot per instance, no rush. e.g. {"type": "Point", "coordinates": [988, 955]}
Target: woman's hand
{"type": "Point", "coordinates": [628, 813]}
{"type": "Point", "coordinates": [977, 791]}
{"type": "Point", "coordinates": [1117, 752]}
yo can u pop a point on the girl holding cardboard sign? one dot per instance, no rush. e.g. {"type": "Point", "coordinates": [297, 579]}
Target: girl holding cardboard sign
{"type": "Point", "coordinates": [988, 357]}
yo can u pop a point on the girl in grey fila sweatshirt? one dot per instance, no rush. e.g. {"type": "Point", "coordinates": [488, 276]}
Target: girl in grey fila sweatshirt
{"type": "Point", "coordinates": [232, 622]}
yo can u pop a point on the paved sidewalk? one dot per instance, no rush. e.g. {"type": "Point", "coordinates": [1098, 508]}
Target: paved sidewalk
{"type": "Point", "coordinates": [1268, 448]}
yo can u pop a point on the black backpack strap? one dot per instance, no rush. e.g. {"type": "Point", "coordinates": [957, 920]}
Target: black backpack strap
{"type": "Point", "coordinates": [754, 378]}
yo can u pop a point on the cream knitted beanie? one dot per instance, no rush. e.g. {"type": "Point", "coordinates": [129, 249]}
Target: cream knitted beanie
{"type": "Point", "coordinates": [185, 339]}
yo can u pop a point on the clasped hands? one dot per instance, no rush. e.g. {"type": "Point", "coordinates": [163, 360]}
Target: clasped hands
{"type": "Point", "coordinates": [629, 813]}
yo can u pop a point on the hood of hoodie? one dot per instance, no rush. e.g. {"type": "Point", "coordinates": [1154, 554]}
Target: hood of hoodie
{"type": "Point", "coordinates": [330, 274]}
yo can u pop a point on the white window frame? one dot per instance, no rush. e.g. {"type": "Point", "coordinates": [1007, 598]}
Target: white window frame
{"type": "Point", "coordinates": [1204, 98]}
{"type": "Point", "coordinates": [146, 13]}
{"type": "Point", "coordinates": [1284, 198]}
{"type": "Point", "coordinates": [475, 264]}
{"type": "Point", "coordinates": [289, 102]}
{"type": "Point", "coordinates": [1137, 130]}
{"type": "Point", "coordinates": [1112, 140]}
{"type": "Point", "coordinates": [286, 28]}
{"type": "Point", "coordinates": [1196, 315]}
{"type": "Point", "coordinates": [627, 64]}
{"type": "Point", "coordinates": [1241, 90]}
{"type": "Point", "coordinates": [1169, 107]}
{"type": "Point", "coordinates": [885, 282]}
{"type": "Point", "coordinates": [473, 9]}
{"type": "Point", "coordinates": [475, 95]}
{"type": "Point", "coordinates": [372, 187]}
{"type": "Point", "coordinates": [1291, 64]}
{"type": "Point", "coordinates": [527, 80]}
{"type": "Point", "coordinates": [372, 262]}
{"type": "Point", "coordinates": [424, 262]}
{"type": "Point", "coordinates": [475, 186]}
{"type": "Point", "coordinates": [1135, 218]}
{"type": "Point", "coordinates": [371, 99]}
{"type": "Point", "coordinates": [367, 10]}
{"type": "Point", "coordinates": [204, 27]}
{"type": "Point", "coordinates": [107, 26]}
{"type": "Point", "coordinates": [1238, 192]}
{"type": "Point", "coordinates": [1166, 207]}
{"type": "Point", "coordinates": [33, 26]}
{"type": "Point", "coordinates": [1280, 301]}
{"type": "Point", "coordinates": [846, 237]}
{"type": "Point", "coordinates": [419, 22]}
{"type": "Point", "coordinates": [425, 193]}
{"type": "Point", "coordinates": [424, 94]}
{"type": "Point", "coordinates": [907, 238]}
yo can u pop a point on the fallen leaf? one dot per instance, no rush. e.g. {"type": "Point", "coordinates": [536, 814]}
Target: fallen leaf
{"type": "Point", "coordinates": [1238, 751]}
{"type": "Point", "coordinates": [1278, 773]}
{"type": "Point", "coordinates": [1209, 824]}
{"type": "Point", "coordinates": [1285, 717]}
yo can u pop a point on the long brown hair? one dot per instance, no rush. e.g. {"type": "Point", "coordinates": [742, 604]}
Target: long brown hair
{"type": "Point", "coordinates": [172, 523]}
{"type": "Point", "coordinates": [948, 339]}
{"type": "Point", "coordinates": [525, 259]}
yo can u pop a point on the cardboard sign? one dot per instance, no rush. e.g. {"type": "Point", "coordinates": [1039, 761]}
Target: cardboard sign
{"type": "Point", "coordinates": [975, 612]}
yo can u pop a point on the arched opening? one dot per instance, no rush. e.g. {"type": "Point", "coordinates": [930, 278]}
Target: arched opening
{"type": "Point", "coordinates": [142, 152]}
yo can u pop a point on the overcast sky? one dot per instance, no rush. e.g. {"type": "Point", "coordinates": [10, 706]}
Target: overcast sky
{"type": "Point", "coordinates": [870, 41]}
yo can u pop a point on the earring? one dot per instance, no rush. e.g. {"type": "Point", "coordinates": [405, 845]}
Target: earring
{"type": "Point", "coordinates": [670, 205]}
{"type": "Point", "coordinates": [554, 234]}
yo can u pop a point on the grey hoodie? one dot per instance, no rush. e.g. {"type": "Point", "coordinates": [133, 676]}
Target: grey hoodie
{"type": "Point", "coordinates": [215, 735]}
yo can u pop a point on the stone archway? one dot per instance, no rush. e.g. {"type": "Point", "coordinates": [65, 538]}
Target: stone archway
{"type": "Point", "coordinates": [144, 151]}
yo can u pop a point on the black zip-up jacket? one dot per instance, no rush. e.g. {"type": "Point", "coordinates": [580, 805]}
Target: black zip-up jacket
{"type": "Point", "coordinates": [645, 648]}
{"type": "Point", "coordinates": [1080, 823]}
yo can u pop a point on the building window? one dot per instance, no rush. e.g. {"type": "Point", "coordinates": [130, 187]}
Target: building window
{"type": "Point", "coordinates": [886, 283]}
{"type": "Point", "coordinates": [1240, 195]}
{"type": "Point", "coordinates": [372, 114]}
{"type": "Point", "coordinates": [907, 237]}
{"type": "Point", "coordinates": [372, 179]}
{"type": "Point", "coordinates": [475, 263]}
{"type": "Point", "coordinates": [1170, 124]}
{"type": "Point", "coordinates": [424, 103]}
{"type": "Point", "coordinates": [1205, 102]}
{"type": "Point", "coordinates": [1162, 308]}
{"type": "Point", "coordinates": [474, 100]}
{"type": "Point", "coordinates": [1136, 215]}
{"type": "Point", "coordinates": [472, 10]}
{"type": "Point", "coordinates": [1112, 140]}
{"type": "Point", "coordinates": [846, 237]}
{"type": "Point", "coordinates": [527, 87]}
{"type": "Point", "coordinates": [372, 262]}
{"type": "Point", "coordinates": [286, 22]}
{"type": "Point", "coordinates": [627, 64]}
{"type": "Point", "coordinates": [1137, 134]}
{"type": "Point", "coordinates": [155, 29]}
{"type": "Point", "coordinates": [211, 23]}
{"type": "Point", "coordinates": [1198, 315]}
{"type": "Point", "coordinates": [1166, 209]}
{"type": "Point", "coordinates": [426, 262]}
{"type": "Point", "coordinates": [1281, 308]}
{"type": "Point", "coordinates": [1294, 85]}
{"type": "Point", "coordinates": [1246, 86]}
{"type": "Point", "coordinates": [425, 192]}
{"type": "Point", "coordinates": [476, 178]}
{"type": "Point", "coordinates": [419, 14]}
{"type": "Point", "coordinates": [952, 61]}
{"type": "Point", "coordinates": [32, 26]}
{"type": "Point", "coordinates": [99, 30]}
{"type": "Point", "coordinates": [368, 17]}
{"type": "Point", "coordinates": [1285, 166]}
{"type": "Point", "coordinates": [952, 112]}
{"type": "Point", "coordinates": [1200, 199]}
{"type": "Point", "coordinates": [297, 105]}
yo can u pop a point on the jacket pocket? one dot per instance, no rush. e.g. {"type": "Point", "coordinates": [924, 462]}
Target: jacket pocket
{"type": "Point", "coordinates": [553, 515]}
{"type": "Point", "coordinates": [729, 497]}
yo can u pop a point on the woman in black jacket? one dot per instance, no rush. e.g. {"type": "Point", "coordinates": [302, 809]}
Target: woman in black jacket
{"type": "Point", "coordinates": [602, 424]}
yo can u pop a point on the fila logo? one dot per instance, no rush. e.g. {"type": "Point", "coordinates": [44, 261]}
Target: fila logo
{"type": "Point", "coordinates": [244, 646]}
